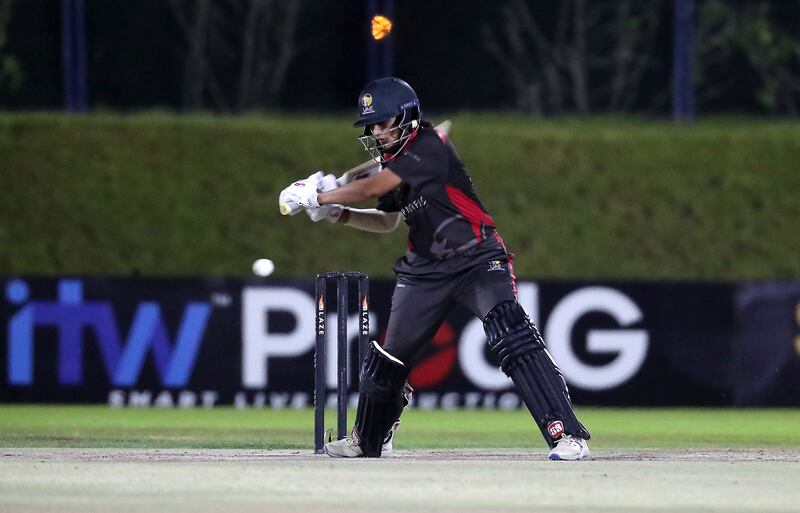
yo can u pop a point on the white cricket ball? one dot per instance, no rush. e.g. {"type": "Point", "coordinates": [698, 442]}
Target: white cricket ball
{"type": "Point", "coordinates": [263, 267]}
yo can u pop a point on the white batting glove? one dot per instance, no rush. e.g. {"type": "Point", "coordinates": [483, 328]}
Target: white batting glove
{"type": "Point", "coordinates": [289, 195]}
{"type": "Point", "coordinates": [330, 213]}
{"type": "Point", "coordinates": [327, 183]}
{"type": "Point", "coordinates": [316, 176]}
{"type": "Point", "coordinates": [297, 187]}
{"type": "Point", "coordinates": [287, 200]}
{"type": "Point", "coordinates": [287, 204]}
{"type": "Point", "coordinates": [302, 192]}
{"type": "Point", "coordinates": [306, 197]}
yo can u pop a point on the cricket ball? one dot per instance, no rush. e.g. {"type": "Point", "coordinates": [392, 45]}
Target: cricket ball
{"type": "Point", "coordinates": [263, 267]}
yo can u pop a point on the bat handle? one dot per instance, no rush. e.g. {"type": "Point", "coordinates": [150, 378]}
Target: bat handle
{"type": "Point", "coordinates": [290, 208]}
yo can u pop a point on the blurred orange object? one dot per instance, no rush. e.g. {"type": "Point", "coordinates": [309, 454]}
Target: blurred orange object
{"type": "Point", "coordinates": [381, 27]}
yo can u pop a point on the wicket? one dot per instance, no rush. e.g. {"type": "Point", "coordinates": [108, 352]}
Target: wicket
{"type": "Point", "coordinates": [320, 289]}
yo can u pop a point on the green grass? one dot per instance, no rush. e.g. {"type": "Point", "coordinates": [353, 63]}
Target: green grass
{"type": "Point", "coordinates": [100, 426]}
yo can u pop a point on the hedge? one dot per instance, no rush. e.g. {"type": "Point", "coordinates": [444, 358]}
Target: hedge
{"type": "Point", "coordinates": [158, 194]}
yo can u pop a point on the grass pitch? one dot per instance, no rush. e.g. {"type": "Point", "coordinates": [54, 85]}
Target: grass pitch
{"type": "Point", "coordinates": [96, 459]}
{"type": "Point", "coordinates": [100, 426]}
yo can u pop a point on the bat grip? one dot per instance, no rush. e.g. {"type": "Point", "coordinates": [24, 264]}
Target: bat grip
{"type": "Point", "coordinates": [290, 208]}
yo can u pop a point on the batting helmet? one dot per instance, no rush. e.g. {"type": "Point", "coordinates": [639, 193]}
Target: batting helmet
{"type": "Point", "coordinates": [385, 98]}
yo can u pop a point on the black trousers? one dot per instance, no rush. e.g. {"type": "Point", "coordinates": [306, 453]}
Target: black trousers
{"type": "Point", "coordinates": [420, 304]}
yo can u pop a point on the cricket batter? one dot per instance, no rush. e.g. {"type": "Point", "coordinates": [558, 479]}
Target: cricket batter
{"type": "Point", "coordinates": [455, 256]}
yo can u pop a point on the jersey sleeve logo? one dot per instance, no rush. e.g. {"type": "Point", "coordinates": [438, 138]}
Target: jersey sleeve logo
{"type": "Point", "coordinates": [495, 265]}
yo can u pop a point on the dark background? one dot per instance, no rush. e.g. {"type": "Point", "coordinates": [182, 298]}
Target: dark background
{"type": "Point", "coordinates": [136, 54]}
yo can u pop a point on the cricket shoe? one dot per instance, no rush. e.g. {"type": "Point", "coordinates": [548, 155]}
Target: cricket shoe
{"type": "Point", "coordinates": [348, 447]}
{"type": "Point", "coordinates": [569, 448]}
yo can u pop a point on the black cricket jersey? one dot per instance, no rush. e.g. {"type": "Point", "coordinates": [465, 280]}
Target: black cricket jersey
{"type": "Point", "coordinates": [448, 227]}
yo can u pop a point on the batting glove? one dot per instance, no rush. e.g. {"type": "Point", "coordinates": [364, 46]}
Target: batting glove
{"type": "Point", "coordinates": [327, 183]}
{"type": "Point", "coordinates": [307, 198]}
{"type": "Point", "coordinates": [330, 213]}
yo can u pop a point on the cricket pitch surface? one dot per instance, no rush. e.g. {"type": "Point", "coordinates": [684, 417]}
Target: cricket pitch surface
{"type": "Point", "coordinates": [452, 480]}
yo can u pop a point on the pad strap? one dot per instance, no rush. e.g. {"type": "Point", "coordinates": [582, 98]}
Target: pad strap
{"type": "Point", "coordinates": [511, 334]}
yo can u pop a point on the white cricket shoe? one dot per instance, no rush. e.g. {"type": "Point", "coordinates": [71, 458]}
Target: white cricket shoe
{"type": "Point", "coordinates": [570, 448]}
{"type": "Point", "coordinates": [348, 447]}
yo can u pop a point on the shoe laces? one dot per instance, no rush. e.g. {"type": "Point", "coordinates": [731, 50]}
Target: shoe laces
{"type": "Point", "coordinates": [570, 441]}
{"type": "Point", "coordinates": [349, 440]}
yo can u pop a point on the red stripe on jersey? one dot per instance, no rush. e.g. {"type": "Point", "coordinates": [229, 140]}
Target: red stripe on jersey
{"type": "Point", "coordinates": [510, 262]}
{"type": "Point", "coordinates": [389, 158]}
{"type": "Point", "coordinates": [469, 209]}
